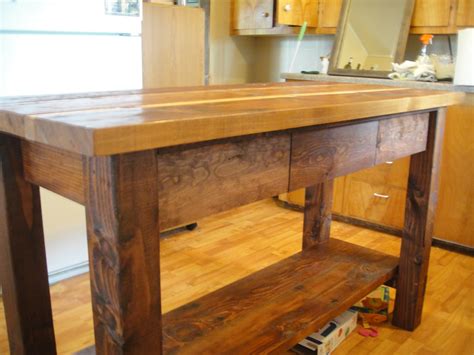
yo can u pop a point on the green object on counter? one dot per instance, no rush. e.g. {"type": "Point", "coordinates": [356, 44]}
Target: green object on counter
{"type": "Point", "coordinates": [309, 72]}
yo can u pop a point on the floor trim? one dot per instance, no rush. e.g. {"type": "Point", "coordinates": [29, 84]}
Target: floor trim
{"type": "Point", "coordinates": [437, 242]}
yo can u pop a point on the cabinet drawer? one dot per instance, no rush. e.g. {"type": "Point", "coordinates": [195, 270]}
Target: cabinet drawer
{"type": "Point", "coordinates": [252, 14]}
{"type": "Point", "coordinates": [381, 204]}
{"type": "Point", "coordinates": [401, 136]}
{"type": "Point", "coordinates": [393, 173]}
{"type": "Point", "coordinates": [318, 155]}
{"type": "Point", "coordinates": [296, 12]}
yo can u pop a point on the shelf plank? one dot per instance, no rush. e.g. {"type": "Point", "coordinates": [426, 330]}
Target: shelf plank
{"type": "Point", "coordinates": [276, 307]}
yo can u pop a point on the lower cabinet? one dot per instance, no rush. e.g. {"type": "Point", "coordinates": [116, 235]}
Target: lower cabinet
{"type": "Point", "coordinates": [378, 194]}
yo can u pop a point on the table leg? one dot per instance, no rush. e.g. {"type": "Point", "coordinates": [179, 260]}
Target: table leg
{"type": "Point", "coordinates": [124, 252]}
{"type": "Point", "coordinates": [23, 271]}
{"type": "Point", "coordinates": [317, 213]}
{"type": "Point", "coordinates": [422, 198]}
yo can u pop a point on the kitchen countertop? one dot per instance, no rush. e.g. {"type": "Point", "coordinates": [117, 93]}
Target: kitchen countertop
{"type": "Point", "coordinates": [127, 121]}
{"type": "Point", "coordinates": [445, 86]}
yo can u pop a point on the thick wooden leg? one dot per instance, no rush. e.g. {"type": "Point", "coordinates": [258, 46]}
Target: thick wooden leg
{"type": "Point", "coordinates": [317, 213]}
{"type": "Point", "coordinates": [23, 271]}
{"type": "Point", "coordinates": [124, 252]}
{"type": "Point", "coordinates": [422, 197]}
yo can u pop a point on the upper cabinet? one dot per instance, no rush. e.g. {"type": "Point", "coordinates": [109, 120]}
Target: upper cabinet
{"type": "Point", "coordinates": [296, 12]}
{"type": "Point", "coordinates": [328, 15]}
{"type": "Point", "coordinates": [284, 17]}
{"type": "Point", "coordinates": [252, 14]}
{"type": "Point", "coordinates": [465, 13]}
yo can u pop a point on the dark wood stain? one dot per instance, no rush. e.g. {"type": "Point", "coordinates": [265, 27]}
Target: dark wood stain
{"type": "Point", "coordinates": [269, 311]}
{"type": "Point", "coordinates": [124, 249]}
{"type": "Point", "coordinates": [401, 136]}
{"type": "Point", "coordinates": [23, 271]}
{"type": "Point", "coordinates": [422, 197]}
{"type": "Point", "coordinates": [322, 154]}
{"type": "Point", "coordinates": [317, 213]}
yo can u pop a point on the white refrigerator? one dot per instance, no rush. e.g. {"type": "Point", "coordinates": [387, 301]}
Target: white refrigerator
{"type": "Point", "coordinates": [64, 46]}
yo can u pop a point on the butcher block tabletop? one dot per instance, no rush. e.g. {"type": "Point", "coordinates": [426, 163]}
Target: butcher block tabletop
{"type": "Point", "coordinates": [109, 123]}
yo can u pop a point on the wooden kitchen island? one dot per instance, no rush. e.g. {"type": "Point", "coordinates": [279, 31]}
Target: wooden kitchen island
{"type": "Point", "coordinates": [144, 161]}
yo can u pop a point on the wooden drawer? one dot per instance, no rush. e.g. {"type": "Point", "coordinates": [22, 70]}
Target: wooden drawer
{"type": "Point", "coordinates": [223, 174]}
{"type": "Point", "coordinates": [252, 14]}
{"type": "Point", "coordinates": [381, 204]}
{"type": "Point", "coordinates": [318, 155]}
{"type": "Point", "coordinates": [392, 173]}
{"type": "Point", "coordinates": [401, 136]}
{"type": "Point", "coordinates": [296, 12]}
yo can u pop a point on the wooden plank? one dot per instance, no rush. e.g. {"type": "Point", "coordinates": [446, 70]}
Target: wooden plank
{"type": "Point", "coordinates": [23, 271]}
{"type": "Point", "coordinates": [321, 154]}
{"type": "Point", "coordinates": [172, 46]}
{"type": "Point", "coordinates": [106, 125]}
{"type": "Point", "coordinates": [296, 12]}
{"type": "Point", "coordinates": [401, 136]}
{"type": "Point", "coordinates": [422, 197]}
{"type": "Point", "coordinates": [56, 170]}
{"type": "Point", "coordinates": [197, 181]}
{"type": "Point", "coordinates": [251, 14]}
{"type": "Point", "coordinates": [317, 213]}
{"type": "Point", "coordinates": [124, 250]}
{"type": "Point", "coordinates": [273, 309]}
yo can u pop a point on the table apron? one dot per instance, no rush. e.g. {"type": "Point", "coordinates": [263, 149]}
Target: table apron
{"type": "Point", "coordinates": [197, 180]}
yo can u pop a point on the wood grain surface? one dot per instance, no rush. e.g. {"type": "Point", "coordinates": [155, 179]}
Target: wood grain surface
{"type": "Point", "coordinates": [124, 249]}
{"type": "Point", "coordinates": [197, 181]}
{"type": "Point", "coordinates": [23, 271]}
{"type": "Point", "coordinates": [56, 170]}
{"type": "Point", "coordinates": [422, 196]}
{"type": "Point", "coordinates": [321, 154]}
{"type": "Point", "coordinates": [317, 213]}
{"type": "Point", "coordinates": [119, 122]}
{"type": "Point", "coordinates": [269, 311]}
{"type": "Point", "coordinates": [402, 136]}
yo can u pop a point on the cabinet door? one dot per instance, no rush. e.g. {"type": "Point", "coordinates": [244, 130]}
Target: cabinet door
{"type": "Point", "coordinates": [252, 14]}
{"type": "Point", "coordinates": [465, 14]}
{"type": "Point", "coordinates": [380, 204]}
{"type": "Point", "coordinates": [454, 220]}
{"type": "Point", "coordinates": [329, 13]}
{"type": "Point", "coordinates": [429, 13]}
{"type": "Point", "coordinates": [296, 12]}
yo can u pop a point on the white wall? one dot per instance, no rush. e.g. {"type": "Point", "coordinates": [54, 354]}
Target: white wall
{"type": "Point", "coordinates": [232, 58]}
{"type": "Point", "coordinates": [274, 54]}
{"type": "Point", "coordinates": [33, 64]}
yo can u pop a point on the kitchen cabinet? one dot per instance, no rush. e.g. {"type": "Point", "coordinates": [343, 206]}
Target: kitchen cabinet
{"type": "Point", "coordinates": [252, 14]}
{"type": "Point", "coordinates": [296, 12]}
{"type": "Point", "coordinates": [322, 16]}
{"type": "Point", "coordinates": [465, 13]}
{"type": "Point", "coordinates": [328, 14]}
{"type": "Point", "coordinates": [377, 195]}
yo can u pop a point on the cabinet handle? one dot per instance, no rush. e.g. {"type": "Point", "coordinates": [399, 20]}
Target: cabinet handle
{"type": "Point", "coordinates": [287, 8]}
{"type": "Point", "coordinates": [381, 196]}
{"type": "Point", "coordinates": [389, 162]}
{"type": "Point", "coordinates": [265, 14]}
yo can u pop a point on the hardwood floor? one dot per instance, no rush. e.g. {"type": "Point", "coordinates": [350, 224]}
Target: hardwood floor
{"type": "Point", "coordinates": [236, 243]}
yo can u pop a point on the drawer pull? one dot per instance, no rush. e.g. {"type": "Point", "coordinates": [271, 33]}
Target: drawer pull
{"type": "Point", "coordinates": [287, 8]}
{"type": "Point", "coordinates": [265, 14]}
{"type": "Point", "coordinates": [381, 196]}
{"type": "Point", "coordinates": [389, 162]}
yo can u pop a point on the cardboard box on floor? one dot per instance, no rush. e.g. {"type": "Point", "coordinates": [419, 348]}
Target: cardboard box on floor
{"type": "Point", "coordinates": [329, 337]}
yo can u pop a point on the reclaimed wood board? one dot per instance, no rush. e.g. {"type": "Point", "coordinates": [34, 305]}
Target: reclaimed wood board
{"type": "Point", "coordinates": [120, 122]}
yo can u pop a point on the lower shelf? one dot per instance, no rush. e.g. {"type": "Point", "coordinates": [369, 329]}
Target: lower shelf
{"type": "Point", "coordinates": [276, 307]}
{"type": "Point", "coordinates": [273, 309]}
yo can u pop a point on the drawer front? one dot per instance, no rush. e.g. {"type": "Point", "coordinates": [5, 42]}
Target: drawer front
{"type": "Point", "coordinates": [380, 204]}
{"type": "Point", "coordinates": [318, 155]}
{"type": "Point", "coordinates": [393, 173]}
{"type": "Point", "coordinates": [401, 136]}
{"type": "Point", "coordinates": [199, 180]}
{"type": "Point", "coordinates": [252, 14]}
